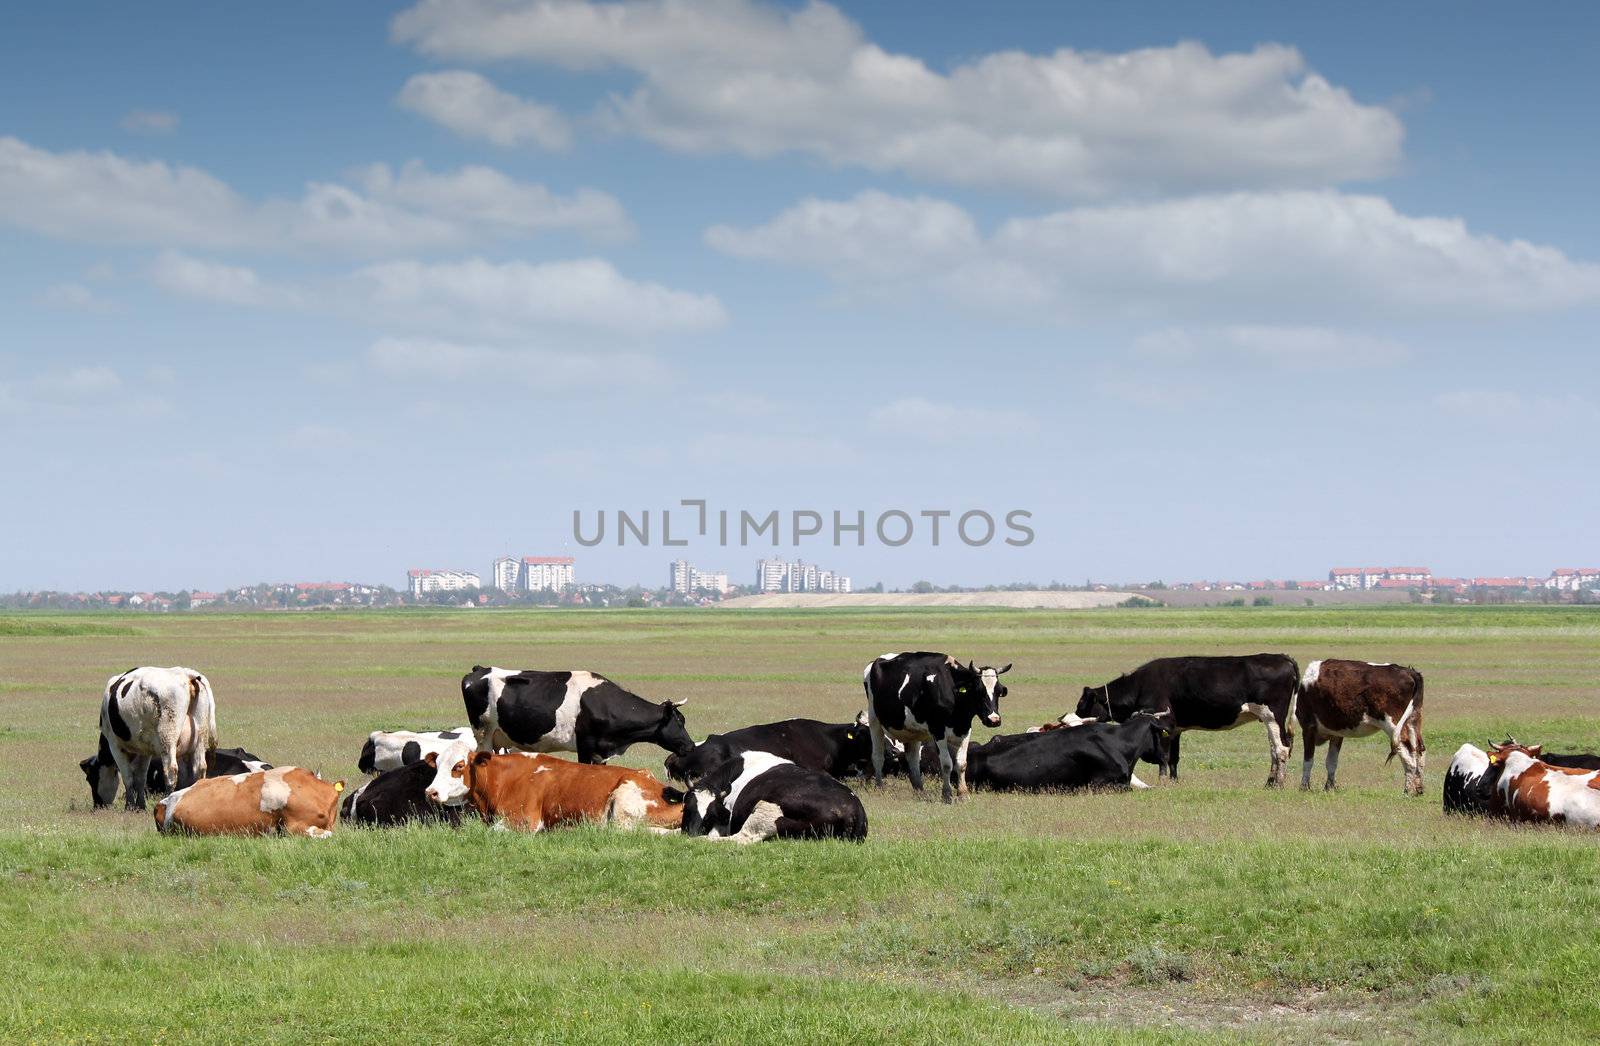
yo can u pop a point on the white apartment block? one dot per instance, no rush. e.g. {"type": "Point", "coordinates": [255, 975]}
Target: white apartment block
{"type": "Point", "coordinates": [775, 575]}
{"type": "Point", "coordinates": [547, 573]}
{"type": "Point", "coordinates": [422, 582]}
{"type": "Point", "coordinates": [1368, 577]}
{"type": "Point", "coordinates": [686, 578]}
{"type": "Point", "coordinates": [507, 574]}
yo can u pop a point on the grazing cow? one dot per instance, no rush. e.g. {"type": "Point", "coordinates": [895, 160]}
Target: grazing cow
{"type": "Point", "coordinates": [162, 714]}
{"type": "Point", "coordinates": [101, 771]}
{"type": "Point", "coordinates": [392, 749]}
{"type": "Point", "coordinates": [1469, 782]}
{"type": "Point", "coordinates": [400, 795]}
{"type": "Point", "coordinates": [284, 800]}
{"type": "Point", "coordinates": [926, 698]}
{"type": "Point", "coordinates": [1529, 789]}
{"type": "Point", "coordinates": [1340, 699]}
{"type": "Point", "coordinates": [1207, 693]}
{"type": "Point", "coordinates": [758, 795]}
{"type": "Point", "coordinates": [1099, 755]}
{"type": "Point", "coordinates": [836, 749]}
{"type": "Point", "coordinates": [567, 712]}
{"type": "Point", "coordinates": [536, 792]}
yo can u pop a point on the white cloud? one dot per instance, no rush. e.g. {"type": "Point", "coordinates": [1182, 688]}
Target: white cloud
{"type": "Point", "coordinates": [106, 198]}
{"type": "Point", "coordinates": [150, 121]}
{"type": "Point", "coordinates": [1248, 254]}
{"type": "Point", "coordinates": [193, 277]}
{"type": "Point", "coordinates": [1288, 347]}
{"type": "Point", "coordinates": [487, 199]}
{"type": "Point", "coordinates": [759, 79]}
{"type": "Point", "coordinates": [73, 297]}
{"type": "Point", "coordinates": [472, 107]}
{"type": "Point", "coordinates": [78, 392]}
{"type": "Point", "coordinates": [501, 299]}
{"type": "Point", "coordinates": [535, 369]}
{"type": "Point", "coordinates": [586, 293]}
{"type": "Point", "coordinates": [934, 422]}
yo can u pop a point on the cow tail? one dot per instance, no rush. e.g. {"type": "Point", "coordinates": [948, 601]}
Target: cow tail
{"type": "Point", "coordinates": [1294, 705]}
{"type": "Point", "coordinates": [201, 685]}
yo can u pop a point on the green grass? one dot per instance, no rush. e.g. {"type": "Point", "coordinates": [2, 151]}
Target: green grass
{"type": "Point", "coordinates": [1211, 907]}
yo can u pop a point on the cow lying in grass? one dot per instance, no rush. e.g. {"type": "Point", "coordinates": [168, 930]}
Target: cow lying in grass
{"type": "Point", "coordinates": [392, 749]}
{"type": "Point", "coordinates": [285, 800]}
{"type": "Point", "coordinates": [396, 797]}
{"type": "Point", "coordinates": [537, 792]}
{"type": "Point", "coordinates": [1529, 789]}
{"type": "Point", "coordinates": [1091, 755]}
{"type": "Point", "coordinates": [758, 795]}
{"type": "Point", "coordinates": [1523, 783]}
{"type": "Point", "coordinates": [836, 749]}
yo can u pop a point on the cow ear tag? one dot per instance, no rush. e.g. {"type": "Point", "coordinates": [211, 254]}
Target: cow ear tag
{"type": "Point", "coordinates": [338, 786]}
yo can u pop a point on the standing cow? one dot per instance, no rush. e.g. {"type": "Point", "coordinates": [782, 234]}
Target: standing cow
{"type": "Point", "coordinates": [927, 698]}
{"type": "Point", "coordinates": [1340, 699]}
{"type": "Point", "coordinates": [580, 712]}
{"type": "Point", "coordinates": [165, 714]}
{"type": "Point", "coordinates": [1207, 693]}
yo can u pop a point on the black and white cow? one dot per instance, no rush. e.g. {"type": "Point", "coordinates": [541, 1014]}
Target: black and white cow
{"type": "Point", "coordinates": [758, 795]}
{"type": "Point", "coordinates": [397, 796]}
{"type": "Point", "coordinates": [928, 698]}
{"type": "Point", "coordinates": [1097, 755]}
{"type": "Point", "coordinates": [392, 749]}
{"type": "Point", "coordinates": [220, 762]}
{"type": "Point", "coordinates": [1208, 693]}
{"type": "Point", "coordinates": [837, 749]}
{"type": "Point", "coordinates": [582, 712]}
{"type": "Point", "coordinates": [1469, 782]}
{"type": "Point", "coordinates": [166, 715]}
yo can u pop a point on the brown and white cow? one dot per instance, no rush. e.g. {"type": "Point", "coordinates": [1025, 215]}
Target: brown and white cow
{"type": "Point", "coordinates": [1531, 790]}
{"type": "Point", "coordinates": [285, 799]}
{"type": "Point", "coordinates": [1340, 699]}
{"type": "Point", "coordinates": [537, 792]}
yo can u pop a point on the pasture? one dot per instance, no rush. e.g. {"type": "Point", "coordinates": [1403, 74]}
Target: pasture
{"type": "Point", "coordinates": [1210, 907]}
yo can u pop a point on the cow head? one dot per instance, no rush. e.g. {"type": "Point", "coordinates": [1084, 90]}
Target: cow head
{"type": "Point", "coordinates": [1157, 746]}
{"type": "Point", "coordinates": [101, 774]}
{"type": "Point", "coordinates": [450, 783]}
{"type": "Point", "coordinates": [703, 812]}
{"type": "Point", "coordinates": [1101, 702]}
{"type": "Point", "coordinates": [673, 733]}
{"type": "Point", "coordinates": [978, 690]}
{"type": "Point", "coordinates": [1498, 753]}
{"type": "Point", "coordinates": [855, 749]}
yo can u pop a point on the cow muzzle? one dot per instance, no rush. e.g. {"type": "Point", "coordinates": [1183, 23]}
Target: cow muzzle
{"type": "Point", "coordinates": [992, 719]}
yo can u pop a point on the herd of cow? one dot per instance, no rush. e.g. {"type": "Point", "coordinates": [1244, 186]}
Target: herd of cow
{"type": "Point", "coordinates": [787, 779]}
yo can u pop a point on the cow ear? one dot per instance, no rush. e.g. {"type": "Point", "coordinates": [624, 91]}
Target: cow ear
{"type": "Point", "coordinates": [1535, 749]}
{"type": "Point", "coordinates": [482, 758]}
{"type": "Point", "coordinates": [1004, 670]}
{"type": "Point", "coordinates": [432, 759]}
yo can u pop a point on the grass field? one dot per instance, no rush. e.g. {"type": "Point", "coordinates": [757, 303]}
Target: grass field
{"type": "Point", "coordinates": [1210, 907]}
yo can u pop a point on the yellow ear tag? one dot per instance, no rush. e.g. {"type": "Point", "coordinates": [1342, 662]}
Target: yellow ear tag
{"type": "Point", "coordinates": [338, 786]}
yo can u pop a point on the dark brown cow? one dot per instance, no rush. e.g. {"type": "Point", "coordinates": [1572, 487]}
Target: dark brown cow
{"type": "Point", "coordinates": [1340, 699]}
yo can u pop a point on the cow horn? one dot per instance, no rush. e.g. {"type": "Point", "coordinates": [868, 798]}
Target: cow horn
{"type": "Point", "coordinates": [680, 704]}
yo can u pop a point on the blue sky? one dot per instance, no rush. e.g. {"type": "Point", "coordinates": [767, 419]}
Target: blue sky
{"type": "Point", "coordinates": [328, 291]}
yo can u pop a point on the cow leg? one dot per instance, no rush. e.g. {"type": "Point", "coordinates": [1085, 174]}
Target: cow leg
{"type": "Point", "coordinates": [1334, 744]}
{"type": "Point", "coordinates": [1308, 744]}
{"type": "Point", "coordinates": [960, 754]}
{"type": "Point", "coordinates": [914, 764]}
{"type": "Point", "coordinates": [1278, 751]}
{"type": "Point", "coordinates": [875, 729]}
{"type": "Point", "coordinates": [1177, 738]}
{"type": "Point", "coordinates": [132, 770]}
{"type": "Point", "coordinates": [947, 766]}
